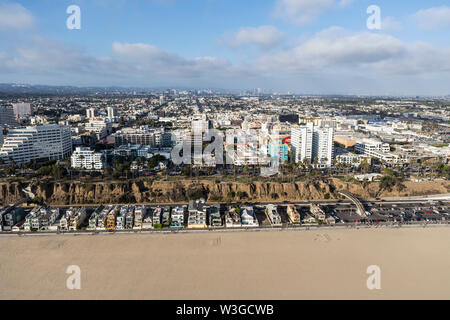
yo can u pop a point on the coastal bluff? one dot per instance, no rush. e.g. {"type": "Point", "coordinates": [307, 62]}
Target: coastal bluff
{"type": "Point", "coordinates": [147, 191]}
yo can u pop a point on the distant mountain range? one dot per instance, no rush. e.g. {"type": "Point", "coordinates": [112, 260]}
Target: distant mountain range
{"type": "Point", "coordinates": [14, 88]}
{"type": "Point", "coordinates": [28, 89]}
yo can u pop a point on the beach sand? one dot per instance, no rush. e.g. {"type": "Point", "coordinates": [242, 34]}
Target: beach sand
{"type": "Point", "coordinates": [315, 264]}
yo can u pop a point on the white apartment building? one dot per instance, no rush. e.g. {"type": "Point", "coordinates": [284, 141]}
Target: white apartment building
{"type": "Point", "coordinates": [367, 146]}
{"type": "Point", "coordinates": [101, 127]}
{"type": "Point", "coordinates": [90, 113]}
{"type": "Point", "coordinates": [53, 142]}
{"type": "Point", "coordinates": [323, 145]}
{"type": "Point", "coordinates": [199, 127]}
{"type": "Point", "coordinates": [112, 114]}
{"type": "Point", "coordinates": [309, 142]}
{"type": "Point", "coordinates": [302, 142]}
{"type": "Point", "coordinates": [379, 150]}
{"type": "Point", "coordinates": [85, 158]}
{"type": "Point", "coordinates": [352, 159]}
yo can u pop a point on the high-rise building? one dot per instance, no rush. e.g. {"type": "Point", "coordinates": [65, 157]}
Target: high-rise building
{"type": "Point", "coordinates": [323, 145]}
{"type": "Point", "coordinates": [302, 143]}
{"type": "Point", "coordinates": [7, 117]}
{"type": "Point", "coordinates": [112, 114]}
{"type": "Point", "coordinates": [52, 142]}
{"type": "Point", "coordinates": [311, 143]}
{"type": "Point", "coordinates": [199, 127]}
{"type": "Point", "coordinates": [22, 110]}
{"type": "Point", "coordinates": [90, 113]}
{"type": "Point", "coordinates": [1, 136]}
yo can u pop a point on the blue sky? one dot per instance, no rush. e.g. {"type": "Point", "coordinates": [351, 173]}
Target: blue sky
{"type": "Point", "coordinates": [303, 46]}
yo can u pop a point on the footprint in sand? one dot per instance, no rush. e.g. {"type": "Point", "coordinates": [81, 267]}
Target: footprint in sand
{"type": "Point", "coordinates": [216, 242]}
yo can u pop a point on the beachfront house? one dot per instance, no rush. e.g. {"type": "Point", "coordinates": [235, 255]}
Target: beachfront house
{"type": "Point", "coordinates": [120, 220]}
{"type": "Point", "coordinates": [77, 219]}
{"type": "Point", "coordinates": [147, 222]}
{"type": "Point", "coordinates": [317, 212]}
{"type": "Point", "coordinates": [157, 216]}
{"type": "Point", "coordinates": [177, 217]}
{"type": "Point", "coordinates": [273, 215]}
{"type": "Point", "coordinates": [49, 219]}
{"type": "Point", "coordinates": [102, 217]}
{"type": "Point", "coordinates": [10, 217]}
{"type": "Point", "coordinates": [92, 225]}
{"type": "Point", "coordinates": [293, 215]}
{"type": "Point", "coordinates": [248, 217]}
{"type": "Point", "coordinates": [233, 219]}
{"type": "Point", "coordinates": [165, 216]}
{"type": "Point", "coordinates": [129, 219]}
{"type": "Point", "coordinates": [111, 219]}
{"type": "Point", "coordinates": [197, 214]}
{"type": "Point", "coordinates": [214, 217]}
{"type": "Point", "coordinates": [139, 214]}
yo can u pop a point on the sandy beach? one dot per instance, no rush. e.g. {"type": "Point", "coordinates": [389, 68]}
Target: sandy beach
{"type": "Point", "coordinates": [315, 264]}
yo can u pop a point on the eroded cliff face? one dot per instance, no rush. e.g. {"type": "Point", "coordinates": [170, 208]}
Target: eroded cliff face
{"type": "Point", "coordinates": [178, 192]}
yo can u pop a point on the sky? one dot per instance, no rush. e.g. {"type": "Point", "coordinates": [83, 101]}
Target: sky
{"type": "Point", "coordinates": [298, 46]}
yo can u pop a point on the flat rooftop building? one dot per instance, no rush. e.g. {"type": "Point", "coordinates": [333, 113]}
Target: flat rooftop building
{"type": "Point", "coordinates": [49, 142]}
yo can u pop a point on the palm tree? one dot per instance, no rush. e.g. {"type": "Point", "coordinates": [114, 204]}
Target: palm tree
{"type": "Point", "coordinates": [316, 161]}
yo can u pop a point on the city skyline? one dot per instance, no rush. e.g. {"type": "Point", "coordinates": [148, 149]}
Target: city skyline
{"type": "Point", "coordinates": [301, 46]}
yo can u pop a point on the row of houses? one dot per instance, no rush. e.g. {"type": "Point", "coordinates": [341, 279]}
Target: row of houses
{"type": "Point", "coordinates": [39, 219]}
{"type": "Point", "coordinates": [311, 216]}
{"type": "Point", "coordinates": [196, 215]}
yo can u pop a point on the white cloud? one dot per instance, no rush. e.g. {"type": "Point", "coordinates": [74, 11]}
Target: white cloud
{"type": "Point", "coordinates": [44, 55]}
{"type": "Point", "coordinates": [305, 11]}
{"type": "Point", "coordinates": [264, 36]}
{"type": "Point", "coordinates": [356, 52]}
{"type": "Point", "coordinates": [433, 18]}
{"type": "Point", "coordinates": [136, 63]}
{"type": "Point", "coordinates": [332, 61]}
{"type": "Point", "coordinates": [14, 16]}
{"type": "Point", "coordinates": [141, 57]}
